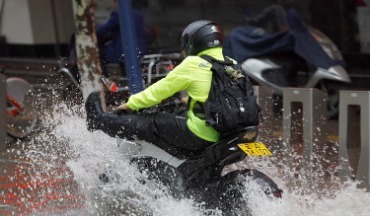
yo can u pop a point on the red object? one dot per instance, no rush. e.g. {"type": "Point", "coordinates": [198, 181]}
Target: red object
{"type": "Point", "coordinates": [109, 84]}
{"type": "Point", "coordinates": [14, 102]}
{"type": "Point", "coordinates": [13, 112]}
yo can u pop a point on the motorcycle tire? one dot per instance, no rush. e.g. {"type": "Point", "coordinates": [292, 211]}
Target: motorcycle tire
{"type": "Point", "coordinates": [233, 197]}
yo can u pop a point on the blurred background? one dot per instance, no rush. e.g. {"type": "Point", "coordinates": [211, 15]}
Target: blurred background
{"type": "Point", "coordinates": [42, 28]}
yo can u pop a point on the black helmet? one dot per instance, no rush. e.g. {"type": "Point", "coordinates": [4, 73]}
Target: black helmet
{"type": "Point", "coordinates": [200, 35]}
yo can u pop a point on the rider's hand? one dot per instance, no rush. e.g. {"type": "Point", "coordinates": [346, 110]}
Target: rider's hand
{"type": "Point", "coordinates": [123, 107]}
{"type": "Point", "coordinates": [185, 100]}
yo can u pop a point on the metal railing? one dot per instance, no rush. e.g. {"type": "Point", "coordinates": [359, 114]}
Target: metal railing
{"type": "Point", "coordinates": [312, 109]}
{"type": "Point", "coordinates": [361, 99]}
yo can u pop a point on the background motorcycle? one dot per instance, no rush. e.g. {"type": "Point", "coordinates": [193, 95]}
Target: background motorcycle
{"type": "Point", "coordinates": [278, 60]}
{"type": "Point", "coordinates": [154, 67]}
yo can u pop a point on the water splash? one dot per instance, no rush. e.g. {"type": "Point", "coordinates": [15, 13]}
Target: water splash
{"type": "Point", "coordinates": [65, 161]}
{"type": "Point", "coordinates": [328, 195]}
{"type": "Point", "coordinates": [66, 143]}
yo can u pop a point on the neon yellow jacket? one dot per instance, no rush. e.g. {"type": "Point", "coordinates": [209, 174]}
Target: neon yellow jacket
{"type": "Point", "coordinates": [192, 74]}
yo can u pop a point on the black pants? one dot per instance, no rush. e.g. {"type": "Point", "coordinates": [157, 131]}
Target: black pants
{"type": "Point", "coordinates": [162, 129]}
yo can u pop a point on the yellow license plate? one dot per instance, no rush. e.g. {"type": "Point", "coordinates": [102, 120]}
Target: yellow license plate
{"type": "Point", "coordinates": [255, 149]}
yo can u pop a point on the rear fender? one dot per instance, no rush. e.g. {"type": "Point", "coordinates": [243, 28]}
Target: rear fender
{"type": "Point", "coordinates": [267, 184]}
{"type": "Point", "coordinates": [336, 73]}
{"type": "Point", "coordinates": [254, 68]}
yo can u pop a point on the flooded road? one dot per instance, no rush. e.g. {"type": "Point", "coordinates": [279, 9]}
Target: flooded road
{"type": "Point", "coordinates": [55, 172]}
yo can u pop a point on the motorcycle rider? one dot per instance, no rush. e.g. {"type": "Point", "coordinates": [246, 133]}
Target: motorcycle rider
{"type": "Point", "coordinates": [193, 74]}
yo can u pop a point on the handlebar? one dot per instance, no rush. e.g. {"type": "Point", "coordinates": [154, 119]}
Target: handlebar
{"type": "Point", "coordinates": [162, 56]}
{"type": "Point", "coordinates": [168, 107]}
{"type": "Point", "coordinates": [175, 103]}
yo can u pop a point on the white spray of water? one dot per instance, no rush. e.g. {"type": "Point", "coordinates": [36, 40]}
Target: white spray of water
{"type": "Point", "coordinates": [88, 154]}
{"type": "Point", "coordinates": [342, 199]}
{"type": "Point", "coordinates": [92, 153]}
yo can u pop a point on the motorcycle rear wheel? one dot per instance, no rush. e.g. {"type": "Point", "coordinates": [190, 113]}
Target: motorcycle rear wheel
{"type": "Point", "coordinates": [234, 202]}
{"type": "Point", "coordinates": [233, 197]}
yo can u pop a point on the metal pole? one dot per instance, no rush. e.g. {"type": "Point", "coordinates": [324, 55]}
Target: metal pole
{"type": "Point", "coordinates": [3, 118]}
{"type": "Point", "coordinates": [128, 35]}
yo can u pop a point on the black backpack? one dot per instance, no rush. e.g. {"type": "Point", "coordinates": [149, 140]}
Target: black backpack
{"type": "Point", "coordinates": [231, 102]}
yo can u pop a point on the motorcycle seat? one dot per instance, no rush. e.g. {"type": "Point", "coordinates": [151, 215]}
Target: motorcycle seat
{"type": "Point", "coordinates": [238, 131]}
{"type": "Point", "coordinates": [225, 140]}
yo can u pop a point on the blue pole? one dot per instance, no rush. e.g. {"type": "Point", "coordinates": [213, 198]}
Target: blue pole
{"type": "Point", "coordinates": [129, 42]}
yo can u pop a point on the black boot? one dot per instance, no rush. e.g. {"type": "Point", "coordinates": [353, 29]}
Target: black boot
{"type": "Point", "coordinates": [93, 111]}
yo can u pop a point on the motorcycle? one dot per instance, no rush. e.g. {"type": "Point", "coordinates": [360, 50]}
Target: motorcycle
{"type": "Point", "coordinates": [199, 174]}
{"type": "Point", "coordinates": [278, 60]}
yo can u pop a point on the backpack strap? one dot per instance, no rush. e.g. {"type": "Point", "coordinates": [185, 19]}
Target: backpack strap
{"type": "Point", "coordinates": [210, 59]}
{"type": "Point", "coordinates": [198, 108]}
{"type": "Point", "coordinates": [217, 68]}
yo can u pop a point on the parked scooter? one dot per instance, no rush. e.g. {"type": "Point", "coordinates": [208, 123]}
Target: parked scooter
{"type": "Point", "coordinates": [277, 60]}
